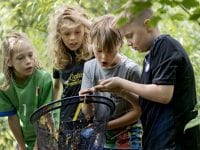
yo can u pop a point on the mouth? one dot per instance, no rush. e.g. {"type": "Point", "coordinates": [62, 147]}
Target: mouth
{"type": "Point", "coordinates": [29, 69]}
{"type": "Point", "coordinates": [73, 44]}
{"type": "Point", "coordinates": [104, 64]}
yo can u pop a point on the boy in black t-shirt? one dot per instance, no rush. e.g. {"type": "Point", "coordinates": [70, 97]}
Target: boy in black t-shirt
{"type": "Point", "coordinates": [167, 90]}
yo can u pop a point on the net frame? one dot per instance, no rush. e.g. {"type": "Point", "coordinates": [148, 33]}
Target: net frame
{"type": "Point", "coordinates": [71, 100]}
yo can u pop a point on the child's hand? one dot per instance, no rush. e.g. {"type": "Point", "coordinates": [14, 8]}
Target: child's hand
{"type": "Point", "coordinates": [88, 91]}
{"type": "Point", "coordinates": [72, 14]}
{"type": "Point", "coordinates": [76, 16]}
{"type": "Point", "coordinates": [113, 85]}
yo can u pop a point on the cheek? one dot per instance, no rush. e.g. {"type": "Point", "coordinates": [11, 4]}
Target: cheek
{"type": "Point", "coordinates": [96, 54]}
{"type": "Point", "coordinates": [81, 37]}
{"type": "Point", "coordinates": [64, 39]}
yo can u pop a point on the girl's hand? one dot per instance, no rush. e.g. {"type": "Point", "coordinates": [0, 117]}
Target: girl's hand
{"type": "Point", "coordinates": [72, 14]}
{"type": "Point", "coordinates": [76, 16]}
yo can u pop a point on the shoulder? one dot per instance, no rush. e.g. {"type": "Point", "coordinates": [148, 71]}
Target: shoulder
{"type": "Point", "coordinates": [41, 74]}
{"type": "Point", "coordinates": [129, 63]}
{"type": "Point", "coordinates": [167, 46]}
{"type": "Point", "coordinates": [168, 42]}
{"type": "Point", "coordinates": [90, 63]}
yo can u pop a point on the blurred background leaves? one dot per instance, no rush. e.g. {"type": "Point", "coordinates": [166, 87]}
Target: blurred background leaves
{"type": "Point", "coordinates": [179, 18]}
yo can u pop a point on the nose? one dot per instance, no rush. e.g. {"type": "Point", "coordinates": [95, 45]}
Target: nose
{"type": "Point", "coordinates": [103, 56]}
{"type": "Point", "coordinates": [72, 36]}
{"type": "Point", "coordinates": [28, 60]}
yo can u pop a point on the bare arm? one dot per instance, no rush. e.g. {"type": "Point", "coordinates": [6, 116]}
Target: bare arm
{"type": "Point", "coordinates": [14, 125]}
{"type": "Point", "coordinates": [87, 109]}
{"type": "Point", "coordinates": [129, 117]}
{"type": "Point", "coordinates": [57, 89]}
{"type": "Point", "coordinates": [157, 93]}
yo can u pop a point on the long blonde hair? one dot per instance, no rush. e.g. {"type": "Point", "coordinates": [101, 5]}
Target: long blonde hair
{"type": "Point", "coordinates": [60, 55]}
{"type": "Point", "coordinates": [11, 43]}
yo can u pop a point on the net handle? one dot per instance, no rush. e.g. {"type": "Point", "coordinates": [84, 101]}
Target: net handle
{"type": "Point", "coordinates": [72, 100]}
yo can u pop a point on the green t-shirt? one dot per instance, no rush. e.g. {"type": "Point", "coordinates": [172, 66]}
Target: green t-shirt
{"type": "Point", "coordinates": [25, 99]}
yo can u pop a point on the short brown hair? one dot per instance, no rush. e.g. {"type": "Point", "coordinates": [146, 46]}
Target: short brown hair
{"type": "Point", "coordinates": [140, 16]}
{"type": "Point", "coordinates": [103, 30]}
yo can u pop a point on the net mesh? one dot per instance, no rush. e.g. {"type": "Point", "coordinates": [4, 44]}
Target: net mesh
{"type": "Point", "coordinates": [57, 129]}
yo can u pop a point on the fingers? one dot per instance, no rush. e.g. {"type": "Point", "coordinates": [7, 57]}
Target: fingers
{"type": "Point", "coordinates": [104, 82]}
{"type": "Point", "coordinates": [70, 13]}
{"type": "Point", "coordinates": [88, 91]}
{"type": "Point", "coordinates": [99, 88]}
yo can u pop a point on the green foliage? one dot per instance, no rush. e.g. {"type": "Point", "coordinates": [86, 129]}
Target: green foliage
{"type": "Point", "coordinates": [6, 138]}
{"type": "Point", "coordinates": [180, 18]}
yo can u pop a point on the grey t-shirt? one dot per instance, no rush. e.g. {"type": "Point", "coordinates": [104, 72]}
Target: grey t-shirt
{"type": "Point", "coordinates": [93, 72]}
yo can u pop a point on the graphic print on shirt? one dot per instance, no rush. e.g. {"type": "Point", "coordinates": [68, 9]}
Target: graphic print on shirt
{"type": "Point", "coordinates": [74, 79]}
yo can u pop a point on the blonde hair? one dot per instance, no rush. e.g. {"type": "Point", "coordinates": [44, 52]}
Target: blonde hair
{"type": "Point", "coordinates": [11, 43]}
{"type": "Point", "coordinates": [104, 32]}
{"type": "Point", "coordinates": [61, 57]}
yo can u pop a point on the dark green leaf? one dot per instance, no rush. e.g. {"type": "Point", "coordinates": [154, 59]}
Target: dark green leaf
{"type": "Point", "coordinates": [190, 3]}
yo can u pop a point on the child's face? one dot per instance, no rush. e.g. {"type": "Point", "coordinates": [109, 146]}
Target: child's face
{"type": "Point", "coordinates": [22, 61]}
{"type": "Point", "coordinates": [138, 37]}
{"type": "Point", "coordinates": [72, 36]}
{"type": "Point", "coordinates": [106, 59]}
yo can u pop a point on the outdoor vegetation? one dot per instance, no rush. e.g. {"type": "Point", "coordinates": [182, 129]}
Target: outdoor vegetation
{"type": "Point", "coordinates": [179, 18]}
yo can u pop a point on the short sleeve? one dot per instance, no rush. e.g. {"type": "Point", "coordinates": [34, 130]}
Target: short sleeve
{"type": "Point", "coordinates": [134, 74]}
{"type": "Point", "coordinates": [87, 77]}
{"type": "Point", "coordinates": [6, 107]}
{"type": "Point", "coordinates": [46, 94]}
{"type": "Point", "coordinates": [166, 64]}
{"type": "Point", "coordinates": [56, 74]}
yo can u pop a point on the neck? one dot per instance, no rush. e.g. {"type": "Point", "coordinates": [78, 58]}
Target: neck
{"type": "Point", "coordinates": [20, 79]}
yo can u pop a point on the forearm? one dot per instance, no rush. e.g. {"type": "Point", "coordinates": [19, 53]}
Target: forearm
{"type": "Point", "coordinates": [153, 92]}
{"type": "Point", "coordinates": [86, 22]}
{"type": "Point", "coordinates": [126, 119]}
{"type": "Point", "coordinates": [14, 125]}
{"type": "Point", "coordinates": [57, 89]}
{"type": "Point", "coordinates": [56, 95]}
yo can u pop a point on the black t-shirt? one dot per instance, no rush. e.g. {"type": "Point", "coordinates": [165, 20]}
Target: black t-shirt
{"type": "Point", "coordinates": [71, 79]}
{"type": "Point", "coordinates": [167, 64]}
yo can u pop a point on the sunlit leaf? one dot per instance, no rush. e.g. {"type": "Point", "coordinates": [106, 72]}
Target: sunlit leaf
{"type": "Point", "coordinates": [178, 16]}
{"type": "Point", "coordinates": [192, 123]}
{"type": "Point", "coordinates": [196, 14]}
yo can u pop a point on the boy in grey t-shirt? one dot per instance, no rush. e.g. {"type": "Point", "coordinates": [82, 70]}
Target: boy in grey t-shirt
{"type": "Point", "coordinates": [123, 129]}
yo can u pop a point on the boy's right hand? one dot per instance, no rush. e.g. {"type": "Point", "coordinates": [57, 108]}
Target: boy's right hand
{"type": "Point", "coordinates": [88, 91]}
{"type": "Point", "coordinates": [87, 109]}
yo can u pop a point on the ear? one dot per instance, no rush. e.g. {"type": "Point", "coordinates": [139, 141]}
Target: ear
{"type": "Point", "coordinates": [147, 24]}
{"type": "Point", "coordinates": [146, 21]}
